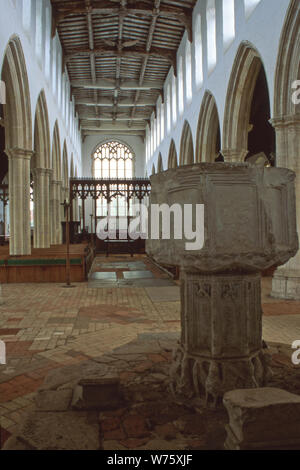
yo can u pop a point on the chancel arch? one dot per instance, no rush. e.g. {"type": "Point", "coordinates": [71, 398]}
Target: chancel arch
{"type": "Point", "coordinates": [18, 143]}
{"type": "Point", "coordinates": [172, 159]}
{"type": "Point", "coordinates": [208, 131]}
{"type": "Point", "coordinates": [186, 146]}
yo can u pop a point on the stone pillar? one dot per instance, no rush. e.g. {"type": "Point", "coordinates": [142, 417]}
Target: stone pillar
{"type": "Point", "coordinates": [286, 281]}
{"type": "Point", "coordinates": [234, 155]}
{"type": "Point", "coordinates": [19, 200]}
{"type": "Point", "coordinates": [221, 346]}
{"type": "Point", "coordinates": [42, 236]}
{"type": "Point", "coordinates": [55, 205]}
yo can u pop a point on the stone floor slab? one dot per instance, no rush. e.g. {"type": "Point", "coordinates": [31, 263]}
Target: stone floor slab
{"type": "Point", "coordinates": [164, 294]}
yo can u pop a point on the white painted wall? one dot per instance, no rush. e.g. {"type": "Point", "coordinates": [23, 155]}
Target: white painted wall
{"type": "Point", "coordinates": [261, 25]}
{"type": "Point", "coordinates": [37, 43]}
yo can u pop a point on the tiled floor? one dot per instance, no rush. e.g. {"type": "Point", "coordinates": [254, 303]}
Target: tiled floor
{"type": "Point", "coordinates": [46, 326]}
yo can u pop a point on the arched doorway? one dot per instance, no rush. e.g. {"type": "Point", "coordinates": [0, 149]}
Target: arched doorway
{"type": "Point", "coordinates": [208, 132]}
{"type": "Point", "coordinates": [186, 146]}
{"type": "Point", "coordinates": [18, 143]}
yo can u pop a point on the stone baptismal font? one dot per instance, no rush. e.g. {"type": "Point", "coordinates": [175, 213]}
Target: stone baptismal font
{"type": "Point", "coordinates": [249, 226]}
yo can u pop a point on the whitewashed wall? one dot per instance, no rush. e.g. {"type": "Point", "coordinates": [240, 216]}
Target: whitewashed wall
{"type": "Point", "coordinates": [34, 32]}
{"type": "Point", "coordinates": [261, 25]}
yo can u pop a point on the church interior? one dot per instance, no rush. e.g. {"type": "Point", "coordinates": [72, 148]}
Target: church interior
{"type": "Point", "coordinates": [116, 118]}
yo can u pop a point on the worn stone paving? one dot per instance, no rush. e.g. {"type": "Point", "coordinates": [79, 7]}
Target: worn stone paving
{"type": "Point", "coordinates": [46, 327]}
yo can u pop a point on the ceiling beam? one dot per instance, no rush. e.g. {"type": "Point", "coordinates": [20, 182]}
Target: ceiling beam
{"type": "Point", "coordinates": [113, 132]}
{"type": "Point", "coordinates": [160, 52]}
{"type": "Point", "coordinates": [118, 126]}
{"type": "Point", "coordinates": [182, 15]}
{"type": "Point", "coordinates": [118, 118]}
{"type": "Point", "coordinates": [107, 103]}
{"type": "Point", "coordinates": [105, 84]}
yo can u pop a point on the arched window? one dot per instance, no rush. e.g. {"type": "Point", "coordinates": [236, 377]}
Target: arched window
{"type": "Point", "coordinates": [198, 52]}
{"type": "Point", "coordinates": [188, 72]}
{"type": "Point", "coordinates": [39, 30]}
{"type": "Point", "coordinates": [168, 108]}
{"type": "Point", "coordinates": [228, 22]}
{"type": "Point", "coordinates": [162, 122]}
{"type": "Point", "coordinates": [47, 50]}
{"type": "Point", "coordinates": [158, 121]}
{"type": "Point", "coordinates": [211, 35]}
{"type": "Point", "coordinates": [174, 100]}
{"type": "Point", "coordinates": [26, 14]}
{"type": "Point", "coordinates": [54, 65]}
{"type": "Point", "coordinates": [180, 86]}
{"type": "Point", "coordinates": [113, 160]}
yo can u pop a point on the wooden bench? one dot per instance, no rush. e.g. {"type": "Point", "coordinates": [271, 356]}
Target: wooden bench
{"type": "Point", "coordinates": [46, 265]}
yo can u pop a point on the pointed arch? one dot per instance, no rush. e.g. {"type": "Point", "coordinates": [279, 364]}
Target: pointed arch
{"type": "Point", "coordinates": [56, 154]}
{"type": "Point", "coordinates": [208, 131]}
{"type": "Point", "coordinates": [17, 111]}
{"type": "Point", "coordinates": [246, 68]}
{"type": "Point", "coordinates": [160, 166]}
{"type": "Point", "coordinates": [172, 158]}
{"type": "Point", "coordinates": [65, 166]}
{"type": "Point", "coordinates": [72, 173]}
{"type": "Point", "coordinates": [186, 146]}
{"type": "Point", "coordinates": [288, 67]}
{"type": "Point", "coordinates": [41, 157]}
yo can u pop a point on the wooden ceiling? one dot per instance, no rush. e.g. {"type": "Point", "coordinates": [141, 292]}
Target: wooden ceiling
{"type": "Point", "coordinates": [118, 54]}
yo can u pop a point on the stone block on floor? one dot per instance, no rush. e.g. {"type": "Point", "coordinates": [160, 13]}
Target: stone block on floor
{"type": "Point", "coordinates": [262, 418]}
{"type": "Point", "coordinates": [97, 393]}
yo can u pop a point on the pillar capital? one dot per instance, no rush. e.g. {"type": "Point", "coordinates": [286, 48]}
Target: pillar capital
{"type": "Point", "coordinates": [42, 171]}
{"type": "Point", "coordinates": [234, 155]}
{"type": "Point", "coordinates": [56, 183]}
{"type": "Point", "coordinates": [292, 121]}
{"type": "Point", "coordinates": [15, 152]}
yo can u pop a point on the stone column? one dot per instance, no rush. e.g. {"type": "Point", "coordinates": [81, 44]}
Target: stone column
{"type": "Point", "coordinates": [221, 346]}
{"type": "Point", "coordinates": [42, 236]}
{"type": "Point", "coordinates": [286, 281]}
{"type": "Point", "coordinates": [234, 155]}
{"type": "Point", "coordinates": [55, 205]}
{"type": "Point", "coordinates": [19, 200]}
